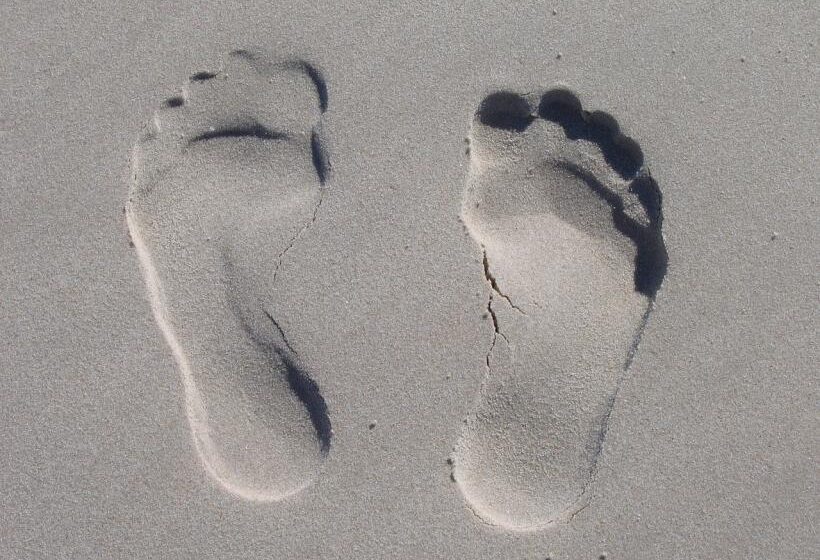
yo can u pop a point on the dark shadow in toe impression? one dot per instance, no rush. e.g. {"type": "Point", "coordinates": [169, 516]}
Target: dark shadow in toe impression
{"type": "Point", "coordinates": [652, 260]}
{"type": "Point", "coordinates": [510, 111]}
{"type": "Point", "coordinates": [650, 256]}
{"type": "Point", "coordinates": [250, 130]}
{"type": "Point", "coordinates": [259, 132]}
{"type": "Point", "coordinates": [175, 101]}
{"type": "Point", "coordinates": [203, 76]}
{"type": "Point", "coordinates": [621, 152]}
{"type": "Point", "coordinates": [507, 110]}
{"type": "Point", "coordinates": [312, 72]}
{"type": "Point", "coordinates": [625, 156]}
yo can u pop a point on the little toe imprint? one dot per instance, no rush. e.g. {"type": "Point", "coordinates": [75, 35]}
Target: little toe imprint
{"type": "Point", "coordinates": [569, 223]}
{"type": "Point", "coordinates": [225, 180]}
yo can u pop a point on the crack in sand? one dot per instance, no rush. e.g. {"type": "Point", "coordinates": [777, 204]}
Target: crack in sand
{"type": "Point", "coordinates": [494, 289]}
{"type": "Point", "coordinates": [601, 440]}
{"type": "Point", "coordinates": [496, 331]}
{"type": "Point", "coordinates": [494, 284]}
{"type": "Point", "coordinates": [630, 356]}
{"type": "Point", "coordinates": [321, 171]}
{"type": "Point", "coordinates": [299, 233]}
{"type": "Point", "coordinates": [288, 247]}
{"type": "Point", "coordinates": [281, 333]}
{"type": "Point", "coordinates": [296, 237]}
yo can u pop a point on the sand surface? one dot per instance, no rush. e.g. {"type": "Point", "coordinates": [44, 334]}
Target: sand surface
{"type": "Point", "coordinates": [329, 297]}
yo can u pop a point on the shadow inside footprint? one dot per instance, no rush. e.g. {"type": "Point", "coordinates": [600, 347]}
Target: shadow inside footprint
{"type": "Point", "coordinates": [307, 391]}
{"type": "Point", "coordinates": [625, 156]}
{"type": "Point", "coordinates": [505, 110]}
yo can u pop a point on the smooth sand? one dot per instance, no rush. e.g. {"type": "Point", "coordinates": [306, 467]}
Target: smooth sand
{"type": "Point", "coordinates": [379, 310]}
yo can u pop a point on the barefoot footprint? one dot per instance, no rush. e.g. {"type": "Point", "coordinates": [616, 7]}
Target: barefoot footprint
{"type": "Point", "coordinates": [569, 222]}
{"type": "Point", "coordinates": [228, 176]}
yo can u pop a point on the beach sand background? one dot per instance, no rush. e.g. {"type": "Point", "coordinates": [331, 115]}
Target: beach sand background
{"type": "Point", "coordinates": [712, 444]}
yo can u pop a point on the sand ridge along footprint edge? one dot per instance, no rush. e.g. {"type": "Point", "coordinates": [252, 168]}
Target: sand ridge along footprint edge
{"type": "Point", "coordinates": [568, 220]}
{"type": "Point", "coordinates": [226, 179]}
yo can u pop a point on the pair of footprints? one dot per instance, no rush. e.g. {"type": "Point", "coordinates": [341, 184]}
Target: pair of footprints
{"type": "Point", "coordinates": [231, 174]}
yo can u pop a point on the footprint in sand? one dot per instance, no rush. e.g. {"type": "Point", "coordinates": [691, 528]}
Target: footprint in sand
{"type": "Point", "coordinates": [569, 222]}
{"type": "Point", "coordinates": [227, 178]}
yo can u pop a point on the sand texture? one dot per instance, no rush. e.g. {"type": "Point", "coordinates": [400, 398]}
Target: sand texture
{"type": "Point", "coordinates": [502, 280]}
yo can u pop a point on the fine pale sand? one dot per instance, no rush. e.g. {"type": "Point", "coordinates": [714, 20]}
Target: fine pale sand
{"type": "Point", "coordinates": [402, 281]}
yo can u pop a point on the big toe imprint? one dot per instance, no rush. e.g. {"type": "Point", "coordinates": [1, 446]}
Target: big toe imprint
{"type": "Point", "coordinates": [228, 176]}
{"type": "Point", "coordinates": [569, 222]}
